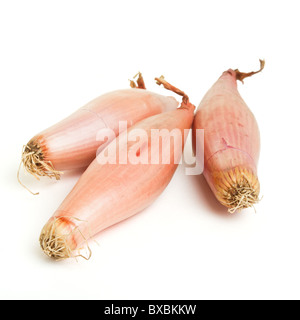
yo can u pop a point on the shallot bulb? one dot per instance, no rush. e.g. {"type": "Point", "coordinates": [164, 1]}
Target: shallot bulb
{"type": "Point", "coordinates": [72, 143]}
{"type": "Point", "coordinates": [231, 142]}
{"type": "Point", "coordinates": [110, 192]}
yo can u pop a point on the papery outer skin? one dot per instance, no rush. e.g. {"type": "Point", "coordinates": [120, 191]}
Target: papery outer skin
{"type": "Point", "coordinates": [107, 194]}
{"type": "Point", "coordinates": [72, 143]}
{"type": "Point", "coordinates": [231, 134]}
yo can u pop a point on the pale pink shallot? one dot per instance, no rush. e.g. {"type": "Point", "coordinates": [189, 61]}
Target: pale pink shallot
{"type": "Point", "coordinates": [73, 144]}
{"type": "Point", "coordinates": [231, 142]}
{"type": "Point", "coordinates": [111, 192]}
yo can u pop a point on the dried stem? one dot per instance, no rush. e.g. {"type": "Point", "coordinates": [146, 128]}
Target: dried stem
{"type": "Point", "coordinates": [168, 86]}
{"type": "Point", "coordinates": [139, 84]}
{"type": "Point", "coordinates": [242, 75]}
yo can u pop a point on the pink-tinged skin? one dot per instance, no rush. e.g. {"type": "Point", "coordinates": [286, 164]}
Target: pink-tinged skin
{"type": "Point", "coordinates": [72, 143]}
{"type": "Point", "coordinates": [109, 193]}
{"type": "Point", "coordinates": [231, 138]}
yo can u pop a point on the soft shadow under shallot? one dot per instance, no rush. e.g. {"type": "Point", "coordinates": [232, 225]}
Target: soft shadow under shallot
{"type": "Point", "coordinates": [206, 197]}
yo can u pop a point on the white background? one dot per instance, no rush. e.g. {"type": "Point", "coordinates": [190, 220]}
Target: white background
{"type": "Point", "coordinates": [57, 55]}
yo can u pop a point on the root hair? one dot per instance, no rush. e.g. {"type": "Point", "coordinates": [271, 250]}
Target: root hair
{"type": "Point", "coordinates": [240, 196]}
{"type": "Point", "coordinates": [55, 243]}
{"type": "Point", "coordinates": [34, 163]}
